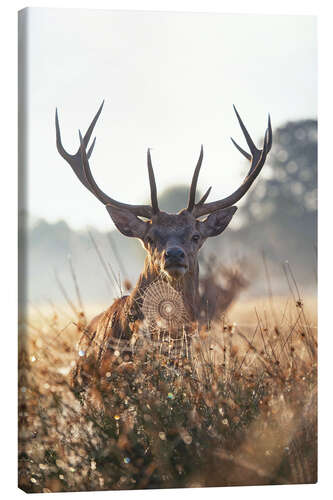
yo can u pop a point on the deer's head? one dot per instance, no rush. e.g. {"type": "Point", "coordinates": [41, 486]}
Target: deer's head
{"type": "Point", "coordinates": [172, 241]}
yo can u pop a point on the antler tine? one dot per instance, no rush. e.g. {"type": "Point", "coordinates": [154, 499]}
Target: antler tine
{"type": "Point", "coordinates": [86, 138]}
{"type": "Point", "coordinates": [60, 147]}
{"type": "Point", "coordinates": [241, 150]}
{"type": "Point", "coordinates": [257, 158]}
{"type": "Point", "coordinates": [75, 160]}
{"type": "Point", "coordinates": [193, 188]}
{"type": "Point", "coordinates": [80, 165]}
{"type": "Point", "coordinates": [247, 136]}
{"type": "Point", "coordinates": [152, 183]}
{"type": "Point", "coordinates": [204, 198]}
{"type": "Point", "coordinates": [88, 175]}
{"type": "Point", "coordinates": [269, 134]}
{"type": "Point", "coordinates": [91, 148]}
{"type": "Point", "coordinates": [91, 127]}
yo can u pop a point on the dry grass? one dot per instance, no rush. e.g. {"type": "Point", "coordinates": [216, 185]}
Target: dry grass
{"type": "Point", "coordinates": [241, 411]}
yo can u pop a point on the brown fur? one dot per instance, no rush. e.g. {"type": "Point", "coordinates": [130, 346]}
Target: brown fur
{"type": "Point", "coordinates": [124, 316]}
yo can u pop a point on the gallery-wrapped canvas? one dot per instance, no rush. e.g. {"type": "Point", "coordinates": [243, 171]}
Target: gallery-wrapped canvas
{"type": "Point", "coordinates": [167, 275]}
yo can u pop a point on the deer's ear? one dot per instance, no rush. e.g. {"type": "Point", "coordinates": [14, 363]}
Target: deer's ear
{"type": "Point", "coordinates": [216, 223]}
{"type": "Point", "coordinates": [127, 223]}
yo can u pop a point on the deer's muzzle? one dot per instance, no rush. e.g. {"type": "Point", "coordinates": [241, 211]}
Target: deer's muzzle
{"type": "Point", "coordinates": [175, 262]}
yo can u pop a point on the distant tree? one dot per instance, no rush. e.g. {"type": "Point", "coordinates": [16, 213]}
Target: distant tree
{"type": "Point", "coordinates": [287, 188]}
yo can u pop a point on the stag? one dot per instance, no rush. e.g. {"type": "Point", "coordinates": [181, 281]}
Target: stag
{"type": "Point", "coordinates": [172, 242]}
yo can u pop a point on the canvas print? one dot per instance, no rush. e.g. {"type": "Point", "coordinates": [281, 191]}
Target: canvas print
{"type": "Point", "coordinates": [167, 295]}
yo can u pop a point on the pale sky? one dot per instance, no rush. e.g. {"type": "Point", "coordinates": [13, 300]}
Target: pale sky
{"type": "Point", "coordinates": [169, 81]}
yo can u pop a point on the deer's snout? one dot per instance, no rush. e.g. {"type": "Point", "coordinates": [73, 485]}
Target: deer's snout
{"type": "Point", "coordinates": [174, 254]}
{"type": "Point", "coordinates": [175, 263]}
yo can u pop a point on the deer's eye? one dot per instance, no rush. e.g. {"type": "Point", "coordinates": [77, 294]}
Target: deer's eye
{"type": "Point", "coordinates": [196, 237]}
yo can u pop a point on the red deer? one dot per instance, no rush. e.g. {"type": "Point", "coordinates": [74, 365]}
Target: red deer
{"type": "Point", "coordinates": [172, 241]}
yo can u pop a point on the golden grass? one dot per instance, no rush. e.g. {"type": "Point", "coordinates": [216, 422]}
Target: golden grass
{"type": "Point", "coordinates": [241, 411]}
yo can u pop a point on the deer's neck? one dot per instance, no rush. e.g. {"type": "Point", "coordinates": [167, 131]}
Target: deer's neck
{"type": "Point", "coordinates": [188, 287]}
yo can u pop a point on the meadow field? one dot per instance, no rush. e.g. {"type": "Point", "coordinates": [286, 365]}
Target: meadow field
{"type": "Point", "coordinates": [241, 410]}
{"type": "Point", "coordinates": [233, 400]}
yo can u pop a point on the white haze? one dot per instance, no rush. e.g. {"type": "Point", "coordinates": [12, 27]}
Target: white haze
{"type": "Point", "coordinates": [169, 82]}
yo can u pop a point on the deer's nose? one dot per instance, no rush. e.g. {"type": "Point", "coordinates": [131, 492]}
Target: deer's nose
{"type": "Point", "coordinates": [174, 253]}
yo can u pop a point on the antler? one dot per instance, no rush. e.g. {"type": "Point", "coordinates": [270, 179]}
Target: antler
{"type": "Point", "coordinates": [153, 190]}
{"type": "Point", "coordinates": [257, 159]}
{"type": "Point", "coordinates": [80, 165]}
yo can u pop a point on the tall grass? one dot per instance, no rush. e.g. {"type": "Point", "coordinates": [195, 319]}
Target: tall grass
{"type": "Point", "coordinates": [240, 410]}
